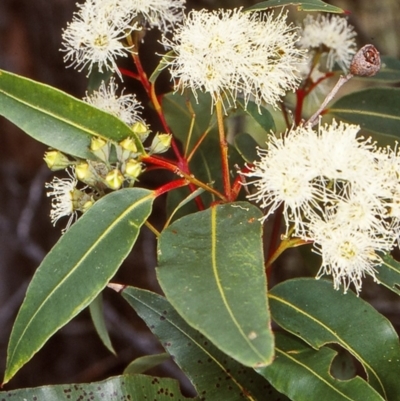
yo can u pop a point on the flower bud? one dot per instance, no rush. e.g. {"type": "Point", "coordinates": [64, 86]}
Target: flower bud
{"type": "Point", "coordinates": [129, 144]}
{"type": "Point", "coordinates": [86, 205]}
{"type": "Point", "coordinates": [114, 179]}
{"type": "Point", "coordinates": [84, 172]}
{"type": "Point", "coordinates": [366, 62]}
{"type": "Point", "coordinates": [133, 169]}
{"type": "Point", "coordinates": [161, 143]}
{"type": "Point", "coordinates": [100, 148]}
{"type": "Point", "coordinates": [56, 160]}
{"type": "Point", "coordinates": [141, 130]}
{"type": "Point", "coordinates": [97, 143]}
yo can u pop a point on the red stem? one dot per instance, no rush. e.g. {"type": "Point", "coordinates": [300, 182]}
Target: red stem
{"type": "Point", "coordinates": [129, 73]}
{"type": "Point", "coordinates": [300, 95]}
{"type": "Point", "coordinates": [305, 91]}
{"type": "Point", "coordinates": [170, 186]}
{"type": "Point", "coordinates": [192, 181]}
{"type": "Point", "coordinates": [276, 229]}
{"type": "Point", "coordinates": [237, 186]}
{"type": "Point", "coordinates": [150, 89]}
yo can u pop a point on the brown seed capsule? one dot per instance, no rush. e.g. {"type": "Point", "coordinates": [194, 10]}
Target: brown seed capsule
{"type": "Point", "coordinates": [366, 62]}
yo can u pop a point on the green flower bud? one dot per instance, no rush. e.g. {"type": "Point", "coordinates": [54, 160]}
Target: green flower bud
{"type": "Point", "coordinates": [56, 160]}
{"type": "Point", "coordinates": [100, 148]}
{"type": "Point", "coordinates": [141, 130]}
{"type": "Point", "coordinates": [129, 144]}
{"type": "Point", "coordinates": [161, 143]}
{"type": "Point", "coordinates": [114, 179]}
{"type": "Point", "coordinates": [133, 169]}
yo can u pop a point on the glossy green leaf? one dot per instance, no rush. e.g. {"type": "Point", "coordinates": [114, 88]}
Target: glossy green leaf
{"type": "Point", "coordinates": [302, 373]}
{"type": "Point", "coordinates": [374, 109]}
{"type": "Point", "coordinates": [215, 376]}
{"type": "Point", "coordinates": [389, 274]}
{"type": "Point", "coordinates": [261, 115]}
{"type": "Point", "coordinates": [127, 387]}
{"type": "Point", "coordinates": [390, 71]}
{"type": "Point", "coordinates": [187, 117]}
{"type": "Point", "coordinates": [208, 262]}
{"type": "Point", "coordinates": [96, 313]}
{"type": "Point", "coordinates": [305, 5]}
{"type": "Point", "coordinates": [312, 310]}
{"type": "Point", "coordinates": [56, 118]}
{"type": "Point", "coordinates": [247, 147]}
{"type": "Point", "coordinates": [144, 363]}
{"type": "Point", "coordinates": [76, 270]}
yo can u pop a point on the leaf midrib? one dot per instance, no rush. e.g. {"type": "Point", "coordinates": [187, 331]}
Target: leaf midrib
{"type": "Point", "coordinates": [221, 291]}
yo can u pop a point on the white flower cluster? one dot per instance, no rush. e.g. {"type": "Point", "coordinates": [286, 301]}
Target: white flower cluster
{"type": "Point", "coordinates": [330, 40]}
{"type": "Point", "coordinates": [331, 35]}
{"type": "Point", "coordinates": [125, 107]}
{"type": "Point", "coordinates": [98, 31]}
{"type": "Point", "coordinates": [338, 191]}
{"type": "Point", "coordinates": [230, 53]}
{"type": "Point", "coordinates": [67, 199]}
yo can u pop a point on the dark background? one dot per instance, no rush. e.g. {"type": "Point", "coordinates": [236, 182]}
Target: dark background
{"type": "Point", "coordinates": [30, 36]}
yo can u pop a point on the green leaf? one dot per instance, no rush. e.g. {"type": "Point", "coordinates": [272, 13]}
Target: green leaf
{"type": "Point", "coordinates": [96, 313]}
{"type": "Point", "coordinates": [211, 269]}
{"type": "Point", "coordinates": [247, 147]}
{"type": "Point", "coordinates": [215, 376]}
{"type": "Point", "coordinates": [261, 115]}
{"type": "Point", "coordinates": [389, 274]}
{"type": "Point", "coordinates": [374, 109]}
{"type": "Point", "coordinates": [390, 71]}
{"type": "Point", "coordinates": [144, 363]}
{"type": "Point", "coordinates": [187, 117]}
{"type": "Point", "coordinates": [127, 387]}
{"type": "Point", "coordinates": [305, 5]}
{"type": "Point", "coordinates": [302, 374]}
{"type": "Point", "coordinates": [312, 310]}
{"type": "Point", "coordinates": [76, 270]}
{"type": "Point", "coordinates": [56, 118]}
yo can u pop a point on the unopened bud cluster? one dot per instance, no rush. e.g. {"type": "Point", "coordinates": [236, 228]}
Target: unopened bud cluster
{"type": "Point", "coordinates": [114, 166]}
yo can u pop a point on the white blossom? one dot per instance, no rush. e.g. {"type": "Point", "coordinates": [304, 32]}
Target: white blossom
{"type": "Point", "coordinates": [332, 35]}
{"type": "Point", "coordinates": [338, 190]}
{"type": "Point", "coordinates": [161, 14]}
{"type": "Point", "coordinates": [125, 107]}
{"type": "Point", "coordinates": [96, 35]}
{"type": "Point", "coordinates": [230, 53]}
{"type": "Point", "coordinates": [287, 173]}
{"type": "Point", "coordinates": [67, 199]}
{"type": "Point", "coordinates": [343, 157]}
{"type": "Point", "coordinates": [347, 254]}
